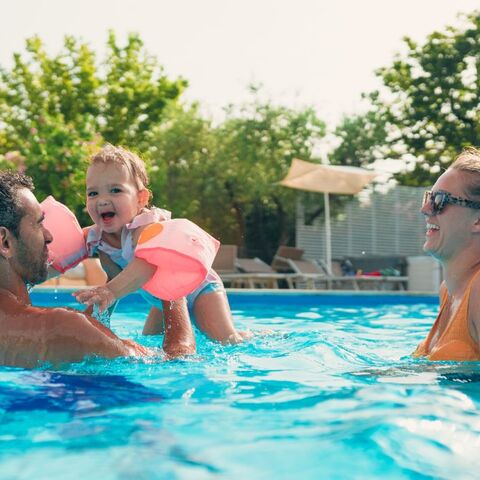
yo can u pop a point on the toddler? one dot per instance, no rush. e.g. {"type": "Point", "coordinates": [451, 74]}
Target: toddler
{"type": "Point", "coordinates": [117, 202]}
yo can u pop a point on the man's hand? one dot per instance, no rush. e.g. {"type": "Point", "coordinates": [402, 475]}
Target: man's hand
{"type": "Point", "coordinates": [103, 297]}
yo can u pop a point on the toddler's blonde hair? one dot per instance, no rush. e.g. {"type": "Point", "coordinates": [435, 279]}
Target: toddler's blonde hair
{"type": "Point", "coordinates": [135, 165]}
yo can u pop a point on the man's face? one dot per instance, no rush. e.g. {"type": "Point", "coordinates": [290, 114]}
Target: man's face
{"type": "Point", "coordinates": [31, 253]}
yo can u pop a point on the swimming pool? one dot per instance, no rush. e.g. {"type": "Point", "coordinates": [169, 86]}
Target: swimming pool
{"type": "Point", "coordinates": [331, 394]}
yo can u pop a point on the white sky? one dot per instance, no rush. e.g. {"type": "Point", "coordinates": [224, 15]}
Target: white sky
{"type": "Point", "coordinates": [305, 52]}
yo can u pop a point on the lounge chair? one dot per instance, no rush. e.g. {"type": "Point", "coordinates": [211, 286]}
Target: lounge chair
{"type": "Point", "coordinates": [244, 272]}
{"type": "Point", "coordinates": [310, 273]}
{"type": "Point", "coordinates": [225, 259]}
{"type": "Point", "coordinates": [260, 273]}
{"type": "Point", "coordinates": [280, 260]}
{"type": "Point", "coordinates": [225, 265]}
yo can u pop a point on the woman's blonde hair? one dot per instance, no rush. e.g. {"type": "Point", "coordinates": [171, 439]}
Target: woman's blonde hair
{"type": "Point", "coordinates": [469, 162]}
{"type": "Point", "coordinates": [135, 165]}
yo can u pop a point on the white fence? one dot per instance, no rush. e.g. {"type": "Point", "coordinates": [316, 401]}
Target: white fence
{"type": "Point", "coordinates": [377, 224]}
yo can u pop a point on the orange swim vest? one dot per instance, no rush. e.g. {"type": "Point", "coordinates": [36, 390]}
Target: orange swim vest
{"type": "Point", "coordinates": [455, 342]}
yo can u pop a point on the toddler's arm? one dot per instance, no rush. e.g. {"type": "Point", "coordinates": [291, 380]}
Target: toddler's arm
{"type": "Point", "coordinates": [133, 277]}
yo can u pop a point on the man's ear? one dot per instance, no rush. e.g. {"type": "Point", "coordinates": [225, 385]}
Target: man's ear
{"type": "Point", "coordinates": [143, 197]}
{"type": "Point", "coordinates": [5, 242]}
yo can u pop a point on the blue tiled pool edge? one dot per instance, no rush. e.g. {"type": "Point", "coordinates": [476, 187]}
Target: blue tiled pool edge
{"type": "Point", "coordinates": [291, 297]}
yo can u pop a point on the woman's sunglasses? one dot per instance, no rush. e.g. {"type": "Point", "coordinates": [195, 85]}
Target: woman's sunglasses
{"type": "Point", "coordinates": [440, 199]}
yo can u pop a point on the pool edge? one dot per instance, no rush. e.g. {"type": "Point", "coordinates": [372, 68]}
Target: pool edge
{"type": "Point", "coordinates": [271, 291]}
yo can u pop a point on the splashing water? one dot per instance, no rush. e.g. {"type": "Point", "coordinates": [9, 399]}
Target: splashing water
{"type": "Point", "coordinates": [335, 378]}
{"type": "Point", "coordinates": [102, 317]}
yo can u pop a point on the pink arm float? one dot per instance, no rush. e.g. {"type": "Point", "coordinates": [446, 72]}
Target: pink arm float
{"type": "Point", "coordinates": [68, 246]}
{"type": "Point", "coordinates": [183, 253]}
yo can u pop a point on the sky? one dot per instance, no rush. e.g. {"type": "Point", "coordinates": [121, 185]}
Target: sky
{"type": "Point", "coordinates": [304, 52]}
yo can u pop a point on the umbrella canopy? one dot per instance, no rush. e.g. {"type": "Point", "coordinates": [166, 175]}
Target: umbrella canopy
{"type": "Point", "coordinates": [315, 177]}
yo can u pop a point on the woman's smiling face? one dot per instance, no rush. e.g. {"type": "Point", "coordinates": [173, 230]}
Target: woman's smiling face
{"type": "Point", "coordinates": [113, 199]}
{"type": "Point", "coordinates": [450, 230]}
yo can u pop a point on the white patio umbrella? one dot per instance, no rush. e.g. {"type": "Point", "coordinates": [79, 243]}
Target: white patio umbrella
{"type": "Point", "coordinates": [315, 177]}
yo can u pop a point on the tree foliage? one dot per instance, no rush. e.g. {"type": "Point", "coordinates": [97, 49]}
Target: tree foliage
{"type": "Point", "coordinates": [180, 151]}
{"type": "Point", "coordinates": [256, 146]}
{"type": "Point", "coordinates": [437, 97]}
{"type": "Point", "coordinates": [428, 109]}
{"type": "Point", "coordinates": [361, 136]}
{"type": "Point", "coordinates": [55, 108]}
{"type": "Point", "coordinates": [226, 177]}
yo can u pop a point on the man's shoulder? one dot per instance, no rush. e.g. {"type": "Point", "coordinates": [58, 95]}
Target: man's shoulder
{"type": "Point", "coordinates": [39, 318]}
{"type": "Point", "coordinates": [24, 316]}
{"type": "Point", "coordinates": [66, 320]}
{"type": "Point", "coordinates": [55, 315]}
{"type": "Point", "coordinates": [31, 334]}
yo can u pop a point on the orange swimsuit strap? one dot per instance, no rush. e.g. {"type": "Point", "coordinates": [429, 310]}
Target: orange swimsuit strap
{"type": "Point", "coordinates": [455, 342]}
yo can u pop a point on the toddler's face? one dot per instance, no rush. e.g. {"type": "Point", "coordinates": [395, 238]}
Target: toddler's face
{"type": "Point", "coordinates": [113, 199]}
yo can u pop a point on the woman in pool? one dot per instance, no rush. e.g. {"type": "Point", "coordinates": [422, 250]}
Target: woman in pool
{"type": "Point", "coordinates": [117, 196]}
{"type": "Point", "coordinates": [452, 213]}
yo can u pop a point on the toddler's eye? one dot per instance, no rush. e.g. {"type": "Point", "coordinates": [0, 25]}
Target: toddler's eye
{"type": "Point", "coordinates": [116, 190]}
{"type": "Point", "coordinates": [91, 194]}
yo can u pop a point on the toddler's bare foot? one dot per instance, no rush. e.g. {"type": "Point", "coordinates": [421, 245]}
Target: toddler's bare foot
{"type": "Point", "coordinates": [247, 335]}
{"type": "Point", "coordinates": [238, 337]}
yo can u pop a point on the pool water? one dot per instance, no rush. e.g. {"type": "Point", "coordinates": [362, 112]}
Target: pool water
{"type": "Point", "coordinates": [332, 393]}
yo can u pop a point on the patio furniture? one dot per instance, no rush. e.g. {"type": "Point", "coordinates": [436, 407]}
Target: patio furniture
{"type": "Point", "coordinates": [314, 274]}
{"type": "Point", "coordinates": [255, 266]}
{"type": "Point", "coordinates": [380, 263]}
{"type": "Point", "coordinates": [246, 272]}
{"type": "Point", "coordinates": [311, 274]}
{"type": "Point", "coordinates": [224, 261]}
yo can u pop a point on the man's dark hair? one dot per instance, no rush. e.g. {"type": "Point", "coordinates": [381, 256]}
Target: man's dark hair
{"type": "Point", "coordinates": [11, 212]}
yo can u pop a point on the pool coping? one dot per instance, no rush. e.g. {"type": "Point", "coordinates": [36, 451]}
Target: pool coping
{"type": "Point", "coordinates": [270, 291]}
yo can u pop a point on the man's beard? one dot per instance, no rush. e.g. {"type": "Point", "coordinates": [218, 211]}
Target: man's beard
{"type": "Point", "coordinates": [33, 265]}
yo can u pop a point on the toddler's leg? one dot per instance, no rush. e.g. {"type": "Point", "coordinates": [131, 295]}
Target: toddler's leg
{"type": "Point", "coordinates": [214, 318]}
{"type": "Point", "coordinates": [154, 323]}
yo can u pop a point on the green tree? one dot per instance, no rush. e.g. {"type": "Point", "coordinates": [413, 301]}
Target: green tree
{"type": "Point", "coordinates": [225, 177]}
{"type": "Point", "coordinates": [135, 93]}
{"type": "Point", "coordinates": [363, 137]}
{"type": "Point", "coordinates": [180, 149]}
{"type": "Point", "coordinates": [427, 110]}
{"type": "Point", "coordinates": [257, 143]}
{"type": "Point", "coordinates": [55, 108]}
{"type": "Point", "coordinates": [436, 106]}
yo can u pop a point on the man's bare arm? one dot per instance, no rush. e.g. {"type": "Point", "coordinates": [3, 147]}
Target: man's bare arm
{"type": "Point", "coordinates": [70, 336]}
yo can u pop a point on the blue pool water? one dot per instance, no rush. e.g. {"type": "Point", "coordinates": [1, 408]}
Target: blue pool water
{"type": "Point", "coordinates": [332, 393]}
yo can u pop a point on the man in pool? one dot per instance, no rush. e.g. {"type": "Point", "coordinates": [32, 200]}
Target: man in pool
{"type": "Point", "coordinates": [452, 214]}
{"type": "Point", "coordinates": [30, 335]}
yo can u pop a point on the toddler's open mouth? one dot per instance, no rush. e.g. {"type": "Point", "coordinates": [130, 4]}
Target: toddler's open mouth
{"type": "Point", "coordinates": [107, 216]}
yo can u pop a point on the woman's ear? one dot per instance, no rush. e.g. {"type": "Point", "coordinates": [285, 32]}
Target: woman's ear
{"type": "Point", "coordinates": [476, 226]}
